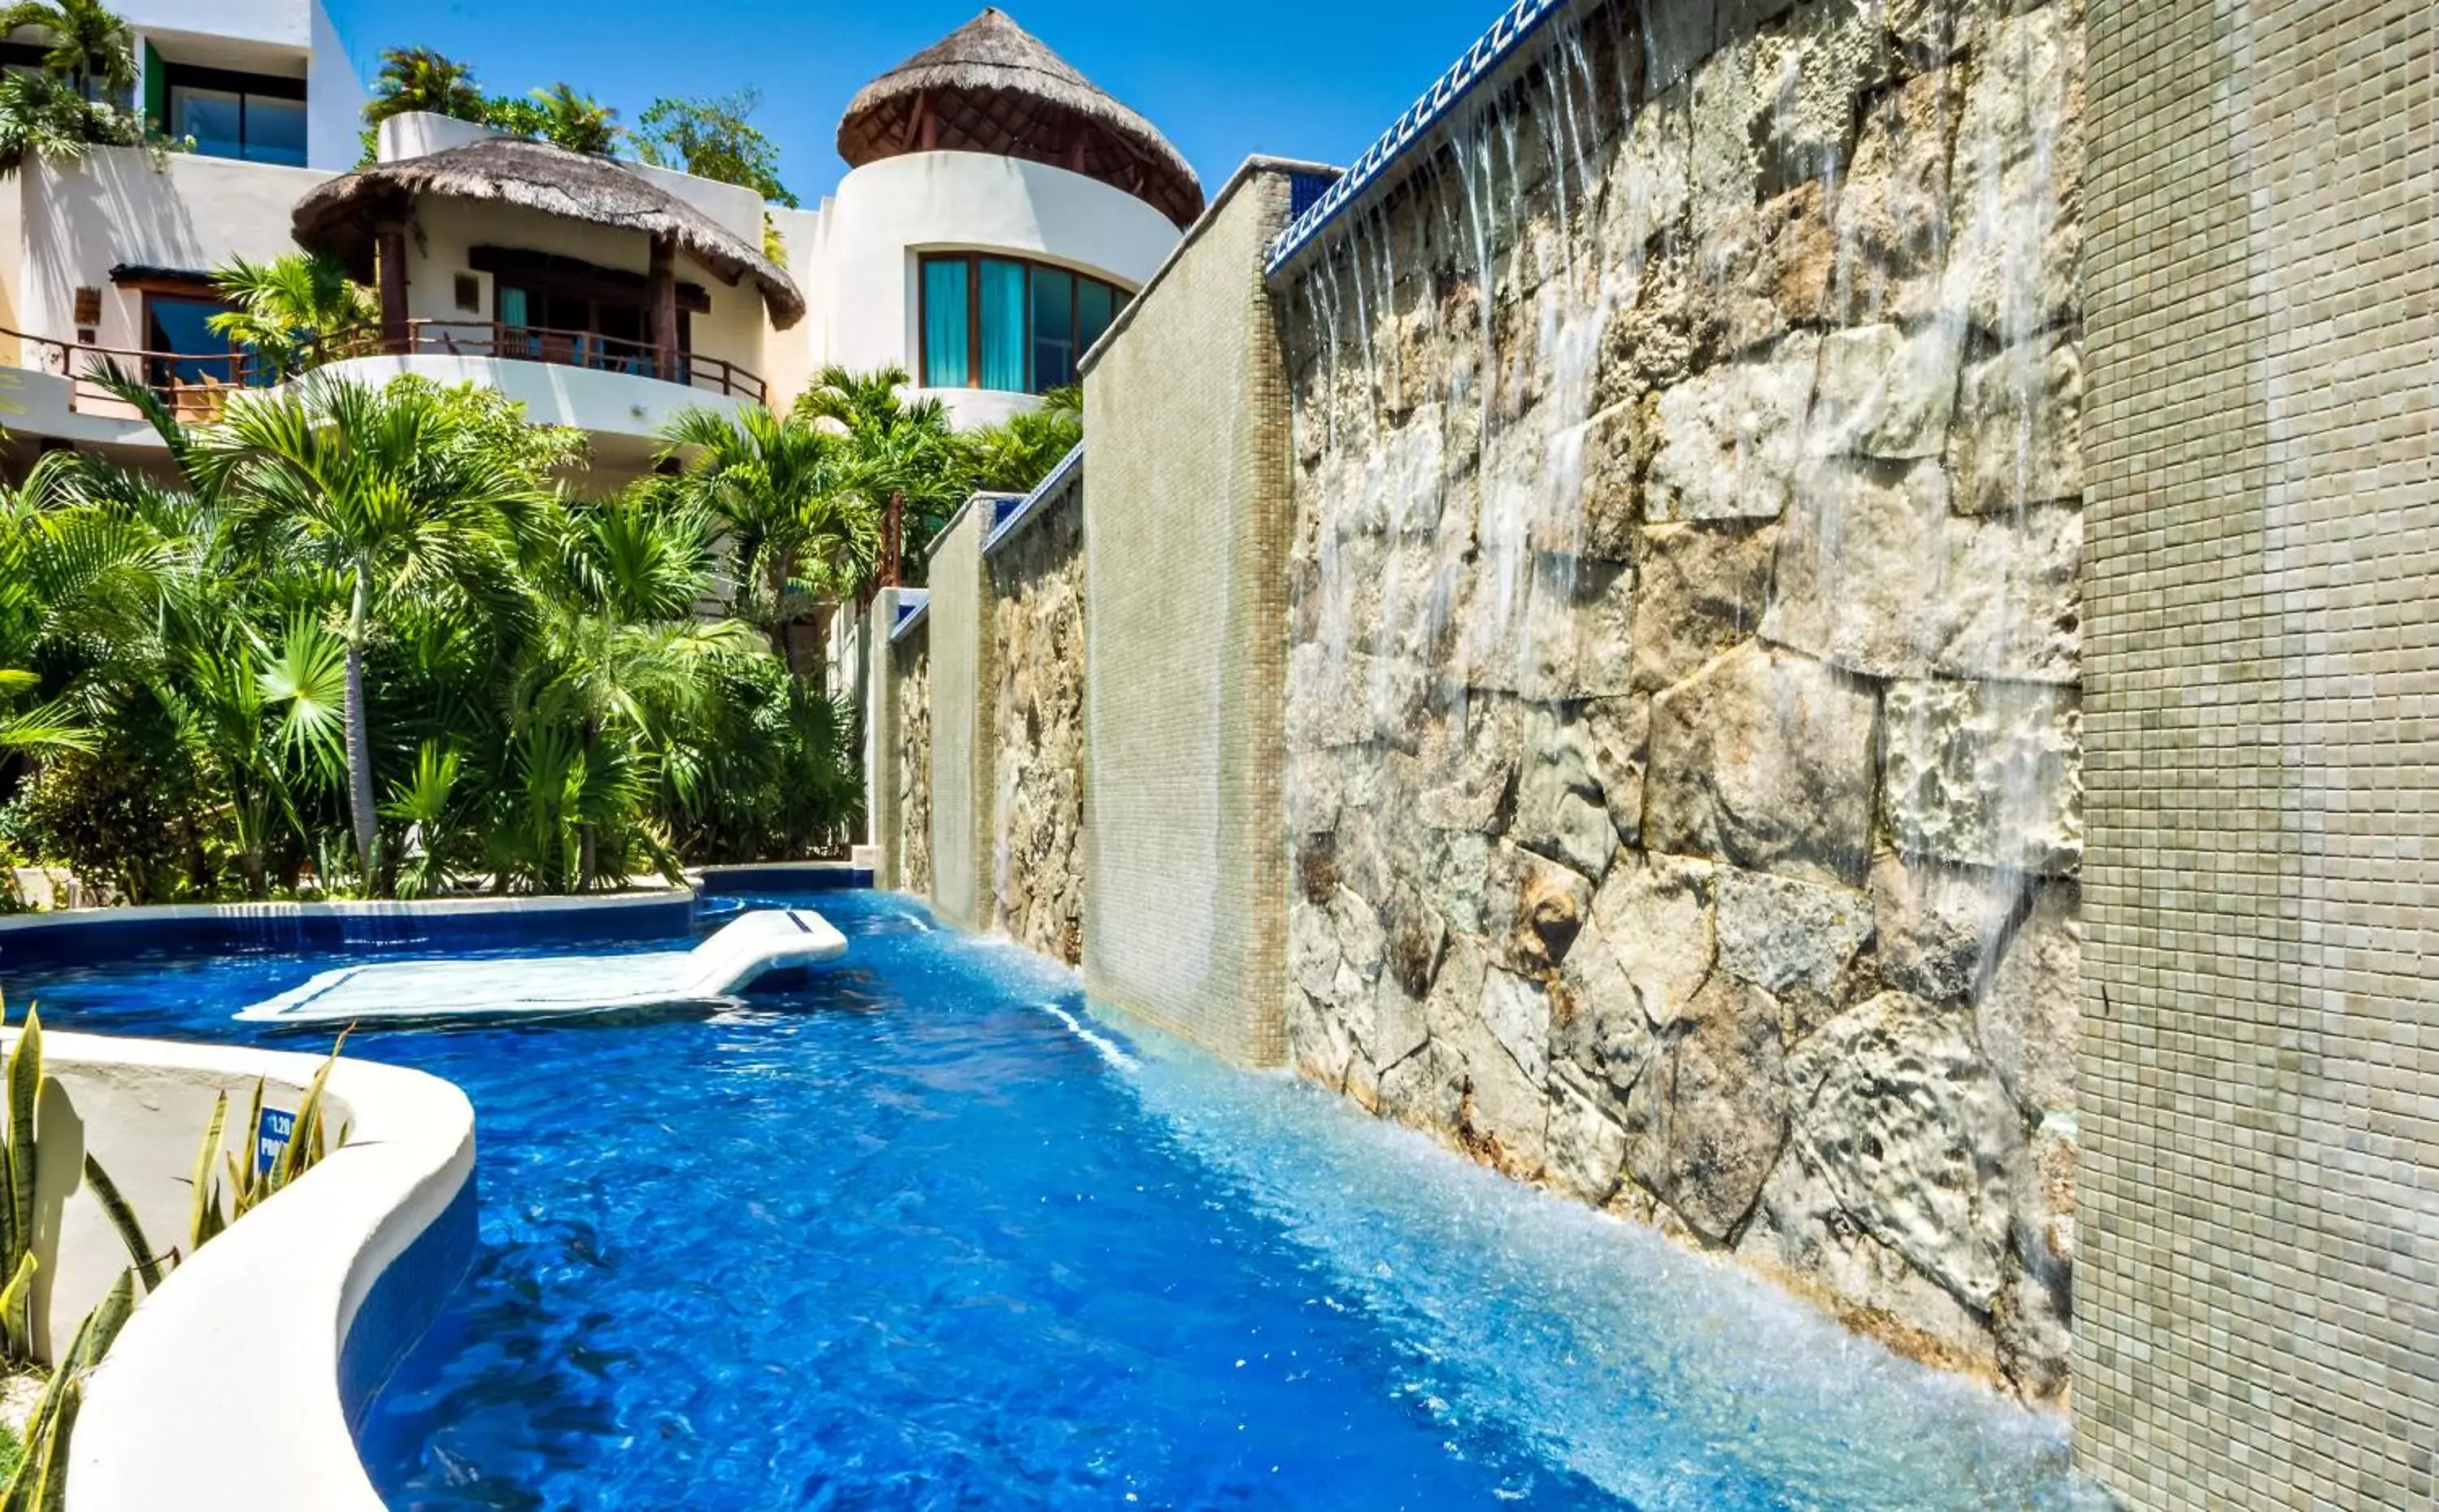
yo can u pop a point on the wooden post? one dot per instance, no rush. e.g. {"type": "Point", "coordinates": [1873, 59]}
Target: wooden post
{"type": "Point", "coordinates": [389, 244]}
{"type": "Point", "coordinates": [893, 540]}
{"type": "Point", "coordinates": [665, 305]}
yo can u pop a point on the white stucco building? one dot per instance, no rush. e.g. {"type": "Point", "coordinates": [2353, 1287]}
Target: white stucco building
{"type": "Point", "coordinates": [998, 211]}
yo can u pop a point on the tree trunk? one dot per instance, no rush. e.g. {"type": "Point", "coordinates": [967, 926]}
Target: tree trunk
{"type": "Point", "coordinates": [360, 751]}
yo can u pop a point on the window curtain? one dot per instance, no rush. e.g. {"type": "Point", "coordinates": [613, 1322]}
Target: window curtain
{"type": "Point", "coordinates": [1003, 325]}
{"type": "Point", "coordinates": [945, 328]}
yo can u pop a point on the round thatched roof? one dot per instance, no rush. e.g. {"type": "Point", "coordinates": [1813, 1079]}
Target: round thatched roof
{"type": "Point", "coordinates": [991, 87]}
{"type": "Point", "coordinates": [339, 217]}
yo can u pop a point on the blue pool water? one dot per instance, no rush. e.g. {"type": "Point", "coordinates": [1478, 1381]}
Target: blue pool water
{"type": "Point", "coordinates": [921, 1232]}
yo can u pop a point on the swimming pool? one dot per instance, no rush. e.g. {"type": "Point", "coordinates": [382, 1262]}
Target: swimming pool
{"type": "Point", "coordinates": [921, 1232]}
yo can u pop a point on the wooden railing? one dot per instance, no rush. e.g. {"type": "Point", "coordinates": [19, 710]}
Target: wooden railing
{"type": "Point", "coordinates": [539, 343]}
{"type": "Point", "coordinates": [195, 386]}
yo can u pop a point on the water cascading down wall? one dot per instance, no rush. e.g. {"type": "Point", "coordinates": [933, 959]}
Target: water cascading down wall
{"type": "Point", "coordinates": [1683, 789]}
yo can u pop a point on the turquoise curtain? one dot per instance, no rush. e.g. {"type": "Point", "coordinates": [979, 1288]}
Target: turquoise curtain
{"type": "Point", "coordinates": [945, 324]}
{"type": "Point", "coordinates": [1003, 325]}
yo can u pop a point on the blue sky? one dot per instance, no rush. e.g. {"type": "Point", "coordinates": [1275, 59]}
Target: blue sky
{"type": "Point", "coordinates": [1299, 80]}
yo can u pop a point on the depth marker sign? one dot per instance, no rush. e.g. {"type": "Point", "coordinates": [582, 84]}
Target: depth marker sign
{"type": "Point", "coordinates": [271, 1137]}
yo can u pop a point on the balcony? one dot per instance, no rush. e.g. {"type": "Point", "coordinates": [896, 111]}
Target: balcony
{"type": "Point", "coordinates": [631, 390]}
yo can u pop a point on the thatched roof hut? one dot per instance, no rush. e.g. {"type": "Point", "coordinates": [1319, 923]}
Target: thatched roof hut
{"type": "Point", "coordinates": [340, 217]}
{"type": "Point", "coordinates": [991, 87]}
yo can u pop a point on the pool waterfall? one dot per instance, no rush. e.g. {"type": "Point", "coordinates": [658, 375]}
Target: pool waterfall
{"type": "Point", "coordinates": [1682, 790]}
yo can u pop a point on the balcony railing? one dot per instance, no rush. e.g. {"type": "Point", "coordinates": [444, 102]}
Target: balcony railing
{"type": "Point", "coordinates": [194, 386]}
{"type": "Point", "coordinates": [558, 348]}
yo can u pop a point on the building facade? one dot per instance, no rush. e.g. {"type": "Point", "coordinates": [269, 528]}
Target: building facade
{"type": "Point", "coordinates": [998, 213]}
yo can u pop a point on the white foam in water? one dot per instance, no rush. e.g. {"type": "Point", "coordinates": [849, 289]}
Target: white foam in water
{"type": "Point", "coordinates": [1101, 1043]}
{"type": "Point", "coordinates": [1670, 1379]}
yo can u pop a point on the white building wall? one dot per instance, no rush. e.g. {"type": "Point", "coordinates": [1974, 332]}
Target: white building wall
{"type": "Point", "coordinates": [124, 205]}
{"type": "Point", "coordinates": [334, 100]}
{"type": "Point", "coordinates": [885, 214]}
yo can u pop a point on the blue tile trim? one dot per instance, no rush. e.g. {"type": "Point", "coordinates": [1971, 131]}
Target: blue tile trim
{"type": "Point", "coordinates": [1017, 513]}
{"type": "Point", "coordinates": [910, 602]}
{"type": "Point", "coordinates": [749, 882]}
{"type": "Point", "coordinates": [86, 940]}
{"type": "Point", "coordinates": [1305, 190]}
{"type": "Point", "coordinates": [1518, 22]}
{"type": "Point", "coordinates": [403, 1301]}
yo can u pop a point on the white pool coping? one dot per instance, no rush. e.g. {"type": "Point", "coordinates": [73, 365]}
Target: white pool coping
{"type": "Point", "coordinates": [223, 1393]}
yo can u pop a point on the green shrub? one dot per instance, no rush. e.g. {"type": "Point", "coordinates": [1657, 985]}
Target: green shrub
{"type": "Point", "coordinates": [130, 818]}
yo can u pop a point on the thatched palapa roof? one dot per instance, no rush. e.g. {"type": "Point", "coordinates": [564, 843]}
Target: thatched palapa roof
{"type": "Point", "coordinates": [991, 87]}
{"type": "Point", "coordinates": [339, 217]}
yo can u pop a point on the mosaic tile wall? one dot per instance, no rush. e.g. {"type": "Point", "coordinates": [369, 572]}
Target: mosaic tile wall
{"type": "Point", "coordinates": [1185, 525]}
{"type": "Point", "coordinates": [2258, 1305]}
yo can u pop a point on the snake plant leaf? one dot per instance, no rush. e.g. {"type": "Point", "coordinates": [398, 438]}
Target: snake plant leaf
{"type": "Point", "coordinates": [122, 1218]}
{"type": "Point", "coordinates": [13, 1295]}
{"type": "Point", "coordinates": [50, 1492]}
{"type": "Point", "coordinates": [25, 1085]}
{"type": "Point", "coordinates": [248, 1189]}
{"type": "Point", "coordinates": [305, 1146]}
{"type": "Point", "coordinates": [203, 1220]}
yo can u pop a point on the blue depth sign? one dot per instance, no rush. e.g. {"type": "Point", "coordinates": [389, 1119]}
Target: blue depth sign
{"type": "Point", "coordinates": [271, 1137]}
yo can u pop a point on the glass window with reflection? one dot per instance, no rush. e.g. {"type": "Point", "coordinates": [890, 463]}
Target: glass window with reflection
{"type": "Point", "coordinates": [256, 118]}
{"type": "Point", "coordinates": [1003, 323]}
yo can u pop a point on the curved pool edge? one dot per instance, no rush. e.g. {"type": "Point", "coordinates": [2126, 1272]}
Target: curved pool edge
{"type": "Point", "coordinates": [234, 1387]}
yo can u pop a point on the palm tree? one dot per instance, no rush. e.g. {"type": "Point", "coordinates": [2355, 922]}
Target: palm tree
{"type": "Point", "coordinates": [90, 48]}
{"type": "Point", "coordinates": [286, 307]}
{"type": "Point", "coordinates": [419, 78]}
{"type": "Point", "coordinates": [406, 489]}
{"type": "Point", "coordinates": [783, 492]}
{"type": "Point", "coordinates": [1014, 455]}
{"type": "Point", "coordinates": [577, 122]}
{"type": "Point", "coordinates": [904, 458]}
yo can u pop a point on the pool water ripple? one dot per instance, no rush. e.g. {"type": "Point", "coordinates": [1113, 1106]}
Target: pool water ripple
{"type": "Point", "coordinates": [925, 1231]}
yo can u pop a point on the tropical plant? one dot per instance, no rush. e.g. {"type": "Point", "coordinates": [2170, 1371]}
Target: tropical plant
{"type": "Point", "coordinates": [903, 457]}
{"type": "Point", "coordinates": [711, 138]}
{"type": "Point", "coordinates": [576, 122]}
{"type": "Point", "coordinates": [45, 116]}
{"type": "Point", "coordinates": [39, 1481]}
{"type": "Point", "coordinates": [406, 489]}
{"type": "Point", "coordinates": [285, 308]}
{"type": "Point", "coordinates": [420, 78]}
{"type": "Point", "coordinates": [1016, 453]}
{"type": "Point", "coordinates": [91, 48]}
{"type": "Point", "coordinates": [797, 523]}
{"type": "Point", "coordinates": [212, 1206]}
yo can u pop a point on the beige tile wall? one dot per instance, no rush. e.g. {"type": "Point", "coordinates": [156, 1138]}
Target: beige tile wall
{"type": "Point", "coordinates": [2257, 1308]}
{"type": "Point", "coordinates": [1185, 523]}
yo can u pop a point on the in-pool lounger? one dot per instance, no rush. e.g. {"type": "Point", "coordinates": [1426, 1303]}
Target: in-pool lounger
{"type": "Point", "coordinates": [761, 942]}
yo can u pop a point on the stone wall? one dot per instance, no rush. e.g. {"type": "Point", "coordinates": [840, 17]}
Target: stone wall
{"type": "Point", "coordinates": [1683, 709]}
{"type": "Point", "coordinates": [1038, 623]}
{"type": "Point", "coordinates": [911, 687]}
{"type": "Point", "coordinates": [2257, 1313]}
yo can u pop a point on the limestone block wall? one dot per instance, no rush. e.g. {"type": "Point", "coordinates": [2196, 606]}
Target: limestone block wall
{"type": "Point", "coordinates": [908, 846]}
{"type": "Point", "coordinates": [959, 682]}
{"type": "Point", "coordinates": [1683, 786]}
{"type": "Point", "coordinates": [1038, 616]}
{"type": "Point", "coordinates": [1185, 530]}
{"type": "Point", "coordinates": [2257, 1311]}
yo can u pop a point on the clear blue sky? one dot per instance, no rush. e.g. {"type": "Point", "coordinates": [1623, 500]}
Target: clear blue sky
{"type": "Point", "coordinates": [1293, 77]}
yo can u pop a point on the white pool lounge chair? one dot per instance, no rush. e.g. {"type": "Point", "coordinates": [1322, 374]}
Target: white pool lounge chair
{"type": "Point", "coordinates": [761, 942]}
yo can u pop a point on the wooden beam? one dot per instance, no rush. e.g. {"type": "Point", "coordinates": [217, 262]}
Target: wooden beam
{"type": "Point", "coordinates": [389, 240]}
{"type": "Point", "coordinates": [664, 280]}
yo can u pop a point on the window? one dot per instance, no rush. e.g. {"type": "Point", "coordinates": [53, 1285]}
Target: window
{"type": "Point", "coordinates": [1003, 323]}
{"type": "Point", "coordinates": [181, 348]}
{"type": "Point", "coordinates": [252, 116]}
